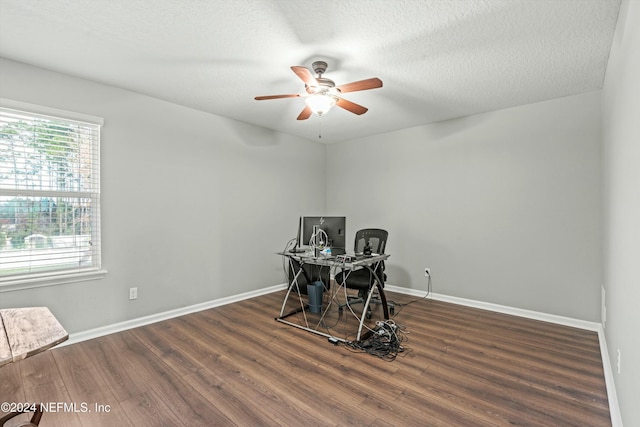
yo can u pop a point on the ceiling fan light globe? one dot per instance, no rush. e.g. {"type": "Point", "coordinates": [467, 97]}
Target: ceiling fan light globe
{"type": "Point", "coordinates": [320, 104]}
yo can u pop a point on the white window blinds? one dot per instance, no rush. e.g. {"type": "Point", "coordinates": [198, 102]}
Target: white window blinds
{"type": "Point", "coordinates": [49, 196]}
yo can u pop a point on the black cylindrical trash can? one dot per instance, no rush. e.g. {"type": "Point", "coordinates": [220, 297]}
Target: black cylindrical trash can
{"type": "Point", "coordinates": [314, 290]}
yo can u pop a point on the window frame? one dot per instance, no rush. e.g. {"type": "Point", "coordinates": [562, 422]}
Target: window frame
{"type": "Point", "coordinates": [57, 277]}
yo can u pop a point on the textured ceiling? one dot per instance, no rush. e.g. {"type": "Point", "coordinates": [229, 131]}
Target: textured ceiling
{"type": "Point", "coordinates": [438, 59]}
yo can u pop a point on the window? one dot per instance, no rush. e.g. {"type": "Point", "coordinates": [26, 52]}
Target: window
{"type": "Point", "coordinates": [49, 196]}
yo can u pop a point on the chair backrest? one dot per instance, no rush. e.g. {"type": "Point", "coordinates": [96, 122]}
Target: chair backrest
{"type": "Point", "coordinates": [376, 237]}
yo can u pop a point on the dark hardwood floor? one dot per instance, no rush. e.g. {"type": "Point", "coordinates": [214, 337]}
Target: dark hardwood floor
{"type": "Point", "coordinates": [235, 365]}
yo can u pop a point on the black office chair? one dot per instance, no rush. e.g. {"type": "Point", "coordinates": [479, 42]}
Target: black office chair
{"type": "Point", "coordinates": [367, 241]}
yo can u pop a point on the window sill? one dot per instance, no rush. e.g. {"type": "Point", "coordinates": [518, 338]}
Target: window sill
{"type": "Point", "coordinates": [18, 284]}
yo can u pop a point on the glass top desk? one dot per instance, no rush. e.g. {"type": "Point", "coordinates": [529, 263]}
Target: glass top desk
{"type": "Point", "coordinates": [337, 319]}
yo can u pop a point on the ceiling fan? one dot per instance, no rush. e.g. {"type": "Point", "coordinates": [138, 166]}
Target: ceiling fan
{"type": "Point", "coordinates": [322, 93]}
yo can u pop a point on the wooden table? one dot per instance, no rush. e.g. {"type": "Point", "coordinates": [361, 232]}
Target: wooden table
{"type": "Point", "coordinates": [28, 331]}
{"type": "Point", "coordinates": [23, 333]}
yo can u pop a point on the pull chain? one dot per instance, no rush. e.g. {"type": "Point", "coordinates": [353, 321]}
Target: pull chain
{"type": "Point", "coordinates": [320, 128]}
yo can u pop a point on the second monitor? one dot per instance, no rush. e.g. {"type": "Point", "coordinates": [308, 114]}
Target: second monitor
{"type": "Point", "coordinates": [333, 226]}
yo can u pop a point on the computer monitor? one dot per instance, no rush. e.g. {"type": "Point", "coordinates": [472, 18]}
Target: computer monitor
{"type": "Point", "coordinates": [333, 226]}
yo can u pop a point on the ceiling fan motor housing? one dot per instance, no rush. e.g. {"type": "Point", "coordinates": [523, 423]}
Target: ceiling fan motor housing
{"type": "Point", "coordinates": [325, 83]}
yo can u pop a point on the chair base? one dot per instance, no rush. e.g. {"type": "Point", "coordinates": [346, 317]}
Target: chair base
{"type": "Point", "coordinates": [361, 298]}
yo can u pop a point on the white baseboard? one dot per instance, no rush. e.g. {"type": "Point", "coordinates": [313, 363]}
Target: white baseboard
{"type": "Point", "coordinates": [616, 419]}
{"type": "Point", "coordinates": [141, 321]}
{"type": "Point", "coordinates": [614, 409]}
{"type": "Point", "coordinates": [146, 320]}
{"type": "Point", "coordinates": [545, 317]}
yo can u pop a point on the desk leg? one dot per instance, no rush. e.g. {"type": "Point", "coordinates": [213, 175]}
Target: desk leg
{"type": "Point", "coordinates": [383, 301]}
{"type": "Point", "coordinates": [333, 292]}
{"type": "Point", "coordinates": [286, 298]}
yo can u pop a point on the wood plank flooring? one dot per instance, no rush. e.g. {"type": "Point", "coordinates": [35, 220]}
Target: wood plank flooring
{"type": "Point", "coordinates": [235, 365]}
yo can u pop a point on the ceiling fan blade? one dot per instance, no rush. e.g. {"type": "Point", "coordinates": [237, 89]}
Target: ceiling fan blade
{"type": "Point", "coordinates": [372, 83]}
{"type": "Point", "coordinates": [351, 106]}
{"type": "Point", "coordinates": [262, 98]}
{"type": "Point", "coordinates": [305, 114]}
{"type": "Point", "coordinates": [305, 75]}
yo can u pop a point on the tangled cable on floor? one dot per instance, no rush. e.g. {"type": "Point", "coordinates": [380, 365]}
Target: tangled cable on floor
{"type": "Point", "coordinates": [384, 342]}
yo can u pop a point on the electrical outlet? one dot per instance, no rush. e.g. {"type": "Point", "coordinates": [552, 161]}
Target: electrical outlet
{"type": "Point", "coordinates": [427, 272]}
{"type": "Point", "coordinates": [133, 293]}
{"type": "Point", "coordinates": [618, 361]}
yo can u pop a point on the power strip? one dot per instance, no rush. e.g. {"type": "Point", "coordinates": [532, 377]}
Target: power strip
{"type": "Point", "coordinates": [345, 258]}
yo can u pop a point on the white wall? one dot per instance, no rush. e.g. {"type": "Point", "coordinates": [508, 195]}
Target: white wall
{"type": "Point", "coordinates": [504, 207]}
{"type": "Point", "coordinates": [194, 206]}
{"type": "Point", "coordinates": [621, 118]}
